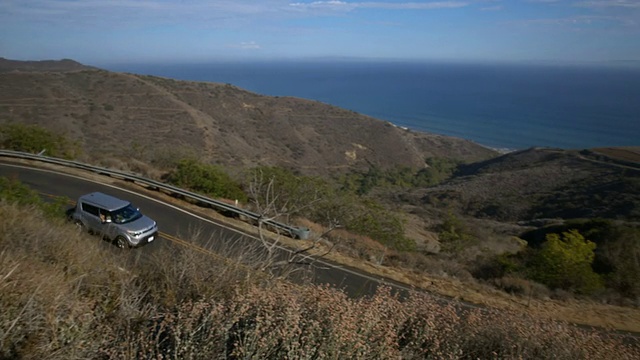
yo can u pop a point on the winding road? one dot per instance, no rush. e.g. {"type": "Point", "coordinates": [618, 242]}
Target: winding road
{"type": "Point", "coordinates": [177, 224]}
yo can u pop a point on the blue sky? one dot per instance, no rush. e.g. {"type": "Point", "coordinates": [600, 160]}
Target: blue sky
{"type": "Point", "coordinates": [113, 31]}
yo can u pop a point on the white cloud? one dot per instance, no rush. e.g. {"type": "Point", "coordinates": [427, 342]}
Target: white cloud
{"type": "Point", "coordinates": [248, 45]}
{"type": "Point", "coordinates": [141, 14]}
{"type": "Point", "coordinates": [571, 20]}
{"type": "Point", "coordinates": [324, 5]}
{"type": "Point", "coordinates": [492, 8]}
{"type": "Point", "coordinates": [415, 5]}
{"type": "Point", "coordinates": [204, 12]}
{"type": "Point", "coordinates": [144, 8]}
{"type": "Point", "coordinates": [348, 6]}
{"type": "Point", "coordinates": [610, 4]}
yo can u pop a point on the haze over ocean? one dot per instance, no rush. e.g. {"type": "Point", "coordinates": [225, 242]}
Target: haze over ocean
{"type": "Point", "coordinates": [496, 105]}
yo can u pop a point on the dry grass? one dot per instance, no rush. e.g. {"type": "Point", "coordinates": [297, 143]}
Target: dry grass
{"type": "Point", "coordinates": [66, 295]}
{"type": "Point", "coordinates": [631, 153]}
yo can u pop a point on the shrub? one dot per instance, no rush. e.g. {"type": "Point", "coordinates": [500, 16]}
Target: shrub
{"type": "Point", "coordinates": [618, 257]}
{"type": "Point", "coordinates": [13, 191]}
{"type": "Point", "coordinates": [33, 139]}
{"type": "Point", "coordinates": [286, 192]}
{"type": "Point", "coordinates": [314, 198]}
{"type": "Point", "coordinates": [371, 219]}
{"type": "Point", "coordinates": [453, 234]}
{"type": "Point", "coordinates": [564, 262]}
{"type": "Point", "coordinates": [362, 183]}
{"type": "Point", "coordinates": [207, 179]}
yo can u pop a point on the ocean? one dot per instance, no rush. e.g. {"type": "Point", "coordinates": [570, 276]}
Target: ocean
{"type": "Point", "coordinates": [503, 106]}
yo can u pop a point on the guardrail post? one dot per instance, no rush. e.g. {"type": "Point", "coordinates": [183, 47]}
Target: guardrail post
{"type": "Point", "coordinates": [301, 233]}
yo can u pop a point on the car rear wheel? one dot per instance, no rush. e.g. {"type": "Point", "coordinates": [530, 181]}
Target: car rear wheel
{"type": "Point", "coordinates": [69, 214]}
{"type": "Point", "coordinates": [79, 225]}
{"type": "Point", "coordinates": [122, 243]}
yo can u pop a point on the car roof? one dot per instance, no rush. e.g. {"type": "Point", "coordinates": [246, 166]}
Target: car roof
{"type": "Point", "coordinates": [104, 201]}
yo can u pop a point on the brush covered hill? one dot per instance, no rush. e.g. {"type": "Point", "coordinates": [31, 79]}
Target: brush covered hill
{"type": "Point", "coordinates": [544, 183]}
{"type": "Point", "coordinates": [125, 116]}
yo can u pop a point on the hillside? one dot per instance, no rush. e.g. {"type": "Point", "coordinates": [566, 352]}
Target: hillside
{"type": "Point", "coordinates": [67, 297]}
{"type": "Point", "coordinates": [543, 183]}
{"type": "Point", "coordinates": [7, 65]}
{"type": "Point", "coordinates": [466, 209]}
{"type": "Point", "coordinates": [127, 116]}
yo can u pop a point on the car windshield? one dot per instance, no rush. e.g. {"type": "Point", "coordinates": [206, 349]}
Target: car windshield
{"type": "Point", "coordinates": [126, 214]}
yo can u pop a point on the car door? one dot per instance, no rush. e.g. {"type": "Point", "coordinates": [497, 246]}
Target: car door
{"type": "Point", "coordinates": [91, 217]}
{"type": "Point", "coordinates": [108, 228]}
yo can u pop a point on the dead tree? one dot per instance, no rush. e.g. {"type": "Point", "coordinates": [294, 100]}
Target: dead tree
{"type": "Point", "coordinates": [271, 205]}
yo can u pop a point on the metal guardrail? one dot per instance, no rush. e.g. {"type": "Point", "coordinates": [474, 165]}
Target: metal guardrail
{"type": "Point", "coordinates": [292, 231]}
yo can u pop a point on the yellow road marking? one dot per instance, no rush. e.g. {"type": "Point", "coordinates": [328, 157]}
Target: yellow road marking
{"type": "Point", "coordinates": [191, 245]}
{"type": "Point", "coordinates": [203, 250]}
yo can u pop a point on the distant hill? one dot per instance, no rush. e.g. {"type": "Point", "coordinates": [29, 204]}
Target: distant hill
{"type": "Point", "coordinates": [126, 116]}
{"type": "Point", "coordinates": [545, 183]}
{"type": "Point", "coordinates": [44, 65]}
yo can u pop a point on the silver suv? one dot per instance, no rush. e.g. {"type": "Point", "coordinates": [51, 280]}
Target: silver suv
{"type": "Point", "coordinates": [114, 219]}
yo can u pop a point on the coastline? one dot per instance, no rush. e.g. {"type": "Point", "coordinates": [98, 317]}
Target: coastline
{"type": "Point", "coordinates": [504, 107]}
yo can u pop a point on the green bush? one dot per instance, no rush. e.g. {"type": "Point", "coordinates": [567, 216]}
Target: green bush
{"type": "Point", "coordinates": [439, 170]}
{"type": "Point", "coordinates": [453, 234]}
{"type": "Point", "coordinates": [315, 199]}
{"type": "Point", "coordinates": [372, 219]}
{"type": "Point", "coordinates": [33, 139]}
{"type": "Point", "coordinates": [617, 255]}
{"type": "Point", "coordinates": [564, 262]}
{"type": "Point", "coordinates": [622, 256]}
{"type": "Point", "coordinates": [13, 191]}
{"type": "Point", "coordinates": [362, 183]}
{"type": "Point", "coordinates": [287, 192]}
{"type": "Point", "coordinates": [207, 179]}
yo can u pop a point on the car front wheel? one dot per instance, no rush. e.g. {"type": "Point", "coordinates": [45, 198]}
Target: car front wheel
{"type": "Point", "coordinates": [122, 243]}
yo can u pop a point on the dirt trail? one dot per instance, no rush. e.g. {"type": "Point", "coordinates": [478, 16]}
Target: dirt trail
{"type": "Point", "coordinates": [202, 120]}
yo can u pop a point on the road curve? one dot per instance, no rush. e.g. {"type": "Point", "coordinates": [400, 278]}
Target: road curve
{"type": "Point", "coordinates": [178, 223]}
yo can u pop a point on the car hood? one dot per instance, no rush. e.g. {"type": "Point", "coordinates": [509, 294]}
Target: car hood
{"type": "Point", "coordinates": [142, 224]}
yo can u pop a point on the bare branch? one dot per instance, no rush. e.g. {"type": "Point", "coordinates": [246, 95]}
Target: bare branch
{"type": "Point", "coordinates": [271, 204]}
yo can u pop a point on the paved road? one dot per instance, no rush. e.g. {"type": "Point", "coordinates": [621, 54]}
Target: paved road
{"type": "Point", "coordinates": [175, 222]}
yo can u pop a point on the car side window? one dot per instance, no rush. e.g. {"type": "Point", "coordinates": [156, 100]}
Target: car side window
{"type": "Point", "coordinates": [105, 215]}
{"type": "Point", "coordinates": [93, 210]}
